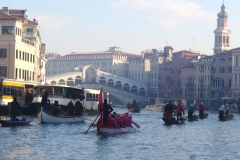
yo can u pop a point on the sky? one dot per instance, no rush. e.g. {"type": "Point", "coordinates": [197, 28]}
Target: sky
{"type": "Point", "coordinates": [134, 25]}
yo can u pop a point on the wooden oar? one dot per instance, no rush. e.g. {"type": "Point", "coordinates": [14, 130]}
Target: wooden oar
{"type": "Point", "coordinates": [66, 113]}
{"type": "Point", "coordinates": [92, 123]}
{"type": "Point", "coordinates": [22, 115]}
{"type": "Point", "coordinates": [136, 124]}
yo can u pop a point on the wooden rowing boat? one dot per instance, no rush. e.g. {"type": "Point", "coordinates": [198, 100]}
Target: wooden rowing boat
{"type": "Point", "coordinates": [157, 108]}
{"type": "Point", "coordinates": [226, 117]}
{"type": "Point", "coordinates": [45, 117]}
{"type": "Point", "coordinates": [204, 116]}
{"type": "Point", "coordinates": [134, 110]}
{"type": "Point", "coordinates": [9, 123]}
{"type": "Point", "coordinates": [114, 130]}
{"type": "Point", "coordinates": [195, 118]}
{"type": "Point", "coordinates": [173, 121]}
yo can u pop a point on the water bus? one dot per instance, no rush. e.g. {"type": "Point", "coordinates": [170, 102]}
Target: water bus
{"type": "Point", "coordinates": [63, 94]}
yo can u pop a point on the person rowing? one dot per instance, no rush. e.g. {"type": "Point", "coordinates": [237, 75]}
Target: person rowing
{"type": "Point", "coordinates": [169, 110]}
{"type": "Point", "coordinates": [221, 111]}
{"type": "Point", "coordinates": [180, 111]}
{"type": "Point", "coordinates": [191, 111]}
{"type": "Point", "coordinates": [201, 110]}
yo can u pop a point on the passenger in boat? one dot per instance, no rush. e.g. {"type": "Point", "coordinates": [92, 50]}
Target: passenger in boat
{"type": "Point", "coordinates": [169, 110]}
{"type": "Point", "coordinates": [56, 108]}
{"type": "Point", "coordinates": [113, 121]}
{"type": "Point", "coordinates": [201, 110]}
{"type": "Point", "coordinates": [180, 111]}
{"type": "Point", "coordinates": [190, 112]}
{"type": "Point", "coordinates": [15, 108]}
{"type": "Point", "coordinates": [78, 108]}
{"type": "Point", "coordinates": [70, 108]}
{"type": "Point", "coordinates": [221, 111]}
{"type": "Point", "coordinates": [227, 108]}
{"type": "Point", "coordinates": [44, 101]}
{"type": "Point", "coordinates": [106, 110]}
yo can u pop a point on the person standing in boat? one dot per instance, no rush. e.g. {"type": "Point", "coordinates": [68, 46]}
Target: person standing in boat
{"type": "Point", "coordinates": [15, 107]}
{"type": "Point", "coordinates": [180, 111]}
{"type": "Point", "coordinates": [78, 108]}
{"type": "Point", "coordinates": [201, 110]}
{"type": "Point", "coordinates": [190, 112]}
{"type": "Point", "coordinates": [106, 110]}
{"type": "Point", "coordinates": [44, 101]}
{"type": "Point", "coordinates": [70, 108]}
{"type": "Point", "coordinates": [227, 108]}
{"type": "Point", "coordinates": [56, 108]}
{"type": "Point", "coordinates": [169, 110]}
{"type": "Point", "coordinates": [221, 112]}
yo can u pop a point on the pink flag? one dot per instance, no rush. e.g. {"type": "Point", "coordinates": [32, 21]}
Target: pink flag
{"type": "Point", "coordinates": [100, 101]}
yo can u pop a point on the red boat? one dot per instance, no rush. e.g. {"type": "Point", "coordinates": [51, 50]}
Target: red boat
{"type": "Point", "coordinates": [9, 123]}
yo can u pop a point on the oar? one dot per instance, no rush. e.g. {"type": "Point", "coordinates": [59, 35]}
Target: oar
{"type": "Point", "coordinates": [92, 123]}
{"type": "Point", "coordinates": [136, 124]}
{"type": "Point", "coordinates": [22, 115]}
{"type": "Point", "coordinates": [66, 113]}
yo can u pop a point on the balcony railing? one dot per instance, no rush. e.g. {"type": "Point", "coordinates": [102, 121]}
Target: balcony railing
{"type": "Point", "coordinates": [216, 88]}
{"type": "Point", "coordinates": [29, 34]}
{"type": "Point", "coordinates": [27, 42]}
{"type": "Point", "coordinates": [201, 80]}
{"type": "Point", "coordinates": [202, 89]}
{"type": "Point", "coordinates": [190, 84]}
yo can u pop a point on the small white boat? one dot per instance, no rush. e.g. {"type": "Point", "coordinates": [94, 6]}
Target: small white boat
{"type": "Point", "coordinates": [113, 130]}
{"type": "Point", "coordinates": [157, 107]}
{"type": "Point", "coordinates": [45, 117]}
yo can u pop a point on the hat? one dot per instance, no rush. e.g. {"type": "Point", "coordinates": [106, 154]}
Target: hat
{"type": "Point", "coordinates": [202, 103]}
{"type": "Point", "coordinates": [126, 113]}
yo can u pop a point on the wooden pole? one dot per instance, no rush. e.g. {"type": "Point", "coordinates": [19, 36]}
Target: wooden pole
{"type": "Point", "coordinates": [92, 123]}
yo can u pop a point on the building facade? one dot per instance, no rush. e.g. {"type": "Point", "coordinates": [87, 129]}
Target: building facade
{"type": "Point", "coordinates": [20, 46]}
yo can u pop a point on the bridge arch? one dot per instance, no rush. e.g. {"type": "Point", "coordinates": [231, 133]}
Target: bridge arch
{"type": "Point", "coordinates": [53, 83]}
{"type": "Point", "coordinates": [134, 89]}
{"type": "Point", "coordinates": [78, 80]}
{"type": "Point", "coordinates": [126, 87]}
{"type": "Point", "coordinates": [61, 82]}
{"type": "Point", "coordinates": [142, 92]}
{"type": "Point", "coordinates": [70, 81]}
{"type": "Point", "coordinates": [118, 85]}
{"type": "Point", "coordinates": [102, 80]}
{"type": "Point", "coordinates": [110, 83]}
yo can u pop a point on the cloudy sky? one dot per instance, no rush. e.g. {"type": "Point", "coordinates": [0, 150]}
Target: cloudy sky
{"type": "Point", "coordinates": [133, 25]}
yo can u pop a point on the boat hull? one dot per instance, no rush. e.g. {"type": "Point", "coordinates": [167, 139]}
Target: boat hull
{"type": "Point", "coordinates": [227, 118]}
{"type": "Point", "coordinates": [9, 123]}
{"type": "Point", "coordinates": [45, 117]}
{"type": "Point", "coordinates": [173, 121]}
{"type": "Point", "coordinates": [153, 108]}
{"type": "Point", "coordinates": [134, 110]}
{"type": "Point", "coordinates": [109, 130]}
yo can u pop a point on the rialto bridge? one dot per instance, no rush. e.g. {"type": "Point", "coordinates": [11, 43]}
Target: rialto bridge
{"type": "Point", "coordinates": [90, 76]}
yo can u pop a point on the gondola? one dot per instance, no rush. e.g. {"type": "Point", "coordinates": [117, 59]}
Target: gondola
{"type": "Point", "coordinates": [204, 116]}
{"type": "Point", "coordinates": [226, 117]}
{"type": "Point", "coordinates": [194, 118]}
{"type": "Point", "coordinates": [173, 121]}
{"type": "Point", "coordinates": [9, 123]}
{"type": "Point", "coordinates": [134, 110]}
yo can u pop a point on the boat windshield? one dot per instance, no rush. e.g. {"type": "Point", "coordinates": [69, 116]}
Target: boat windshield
{"type": "Point", "coordinates": [59, 92]}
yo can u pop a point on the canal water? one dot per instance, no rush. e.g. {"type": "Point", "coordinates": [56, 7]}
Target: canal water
{"type": "Point", "coordinates": [203, 139]}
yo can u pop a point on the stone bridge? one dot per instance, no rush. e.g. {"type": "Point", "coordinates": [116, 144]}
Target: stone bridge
{"type": "Point", "coordinates": [122, 95]}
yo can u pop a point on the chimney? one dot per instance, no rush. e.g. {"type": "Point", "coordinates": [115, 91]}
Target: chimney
{"type": "Point", "coordinates": [5, 10]}
{"type": "Point", "coordinates": [154, 52]}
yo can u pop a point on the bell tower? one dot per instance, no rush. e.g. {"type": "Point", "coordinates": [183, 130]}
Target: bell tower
{"type": "Point", "coordinates": [222, 38]}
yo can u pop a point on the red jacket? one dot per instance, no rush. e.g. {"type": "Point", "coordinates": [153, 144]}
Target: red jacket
{"type": "Point", "coordinates": [201, 106]}
{"type": "Point", "coordinates": [180, 109]}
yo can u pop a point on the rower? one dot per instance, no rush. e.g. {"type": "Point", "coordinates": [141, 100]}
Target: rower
{"type": "Point", "coordinates": [169, 110]}
{"type": "Point", "coordinates": [227, 108]}
{"type": "Point", "coordinates": [180, 110]}
{"type": "Point", "coordinates": [221, 112]}
{"type": "Point", "coordinates": [190, 112]}
{"type": "Point", "coordinates": [201, 110]}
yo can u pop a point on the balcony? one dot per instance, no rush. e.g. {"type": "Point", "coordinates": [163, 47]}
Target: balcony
{"type": "Point", "coordinates": [29, 34]}
{"type": "Point", "coordinates": [216, 88]}
{"type": "Point", "coordinates": [28, 42]}
{"type": "Point", "coordinates": [190, 84]}
{"type": "Point", "coordinates": [201, 89]}
{"type": "Point", "coordinates": [201, 80]}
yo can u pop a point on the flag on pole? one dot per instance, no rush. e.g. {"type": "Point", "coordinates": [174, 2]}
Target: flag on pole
{"type": "Point", "coordinates": [100, 105]}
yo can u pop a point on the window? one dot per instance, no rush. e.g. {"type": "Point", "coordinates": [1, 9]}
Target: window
{"type": "Point", "coordinates": [20, 55]}
{"type": "Point", "coordinates": [30, 30]}
{"type": "Point", "coordinates": [16, 54]}
{"type": "Point", "coordinates": [3, 71]}
{"type": "Point", "coordinates": [20, 73]}
{"type": "Point", "coordinates": [7, 29]}
{"type": "Point", "coordinates": [16, 73]}
{"type": "Point", "coordinates": [3, 53]}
